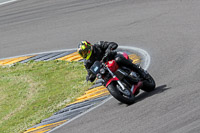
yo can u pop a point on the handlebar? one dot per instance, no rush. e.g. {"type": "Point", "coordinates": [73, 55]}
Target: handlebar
{"type": "Point", "coordinates": [104, 57]}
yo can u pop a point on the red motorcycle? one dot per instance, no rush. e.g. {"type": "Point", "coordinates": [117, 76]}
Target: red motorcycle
{"type": "Point", "coordinates": [120, 81]}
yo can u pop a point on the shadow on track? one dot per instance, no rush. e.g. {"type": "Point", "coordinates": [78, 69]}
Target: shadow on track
{"type": "Point", "coordinates": [145, 95]}
{"type": "Point", "coordinates": [157, 90]}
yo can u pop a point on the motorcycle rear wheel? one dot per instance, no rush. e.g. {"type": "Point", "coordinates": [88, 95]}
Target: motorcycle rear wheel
{"type": "Point", "coordinates": [149, 84]}
{"type": "Point", "coordinates": [114, 91]}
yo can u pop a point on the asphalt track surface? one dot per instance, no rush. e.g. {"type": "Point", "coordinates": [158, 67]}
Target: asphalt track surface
{"type": "Point", "coordinates": [169, 30]}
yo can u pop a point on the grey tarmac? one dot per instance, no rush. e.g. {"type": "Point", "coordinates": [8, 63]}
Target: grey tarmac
{"type": "Point", "coordinates": [169, 30]}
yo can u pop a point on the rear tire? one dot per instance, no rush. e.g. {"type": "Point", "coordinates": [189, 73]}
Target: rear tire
{"type": "Point", "coordinates": [149, 84]}
{"type": "Point", "coordinates": [112, 88]}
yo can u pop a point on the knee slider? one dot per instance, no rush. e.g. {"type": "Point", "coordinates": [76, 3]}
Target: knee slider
{"type": "Point", "coordinates": [118, 59]}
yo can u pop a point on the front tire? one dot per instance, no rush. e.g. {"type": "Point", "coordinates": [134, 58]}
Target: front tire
{"type": "Point", "coordinates": [114, 91]}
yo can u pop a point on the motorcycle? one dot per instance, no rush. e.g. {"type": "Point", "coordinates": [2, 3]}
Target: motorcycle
{"type": "Point", "coordinates": [120, 81]}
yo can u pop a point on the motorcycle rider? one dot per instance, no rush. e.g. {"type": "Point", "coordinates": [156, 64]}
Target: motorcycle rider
{"type": "Point", "coordinates": [96, 52]}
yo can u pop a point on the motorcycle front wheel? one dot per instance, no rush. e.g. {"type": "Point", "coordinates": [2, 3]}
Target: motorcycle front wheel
{"type": "Point", "coordinates": [113, 88]}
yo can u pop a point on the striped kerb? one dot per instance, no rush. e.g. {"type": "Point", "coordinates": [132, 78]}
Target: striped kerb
{"type": "Point", "coordinates": [81, 104]}
{"type": "Point", "coordinates": [13, 60]}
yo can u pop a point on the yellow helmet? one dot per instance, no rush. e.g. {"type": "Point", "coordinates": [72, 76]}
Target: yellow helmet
{"type": "Point", "coordinates": [85, 49]}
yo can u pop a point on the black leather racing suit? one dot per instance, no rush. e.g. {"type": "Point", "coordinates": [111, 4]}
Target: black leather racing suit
{"type": "Point", "coordinates": [98, 52]}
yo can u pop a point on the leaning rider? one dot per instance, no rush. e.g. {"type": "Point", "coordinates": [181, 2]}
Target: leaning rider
{"type": "Point", "coordinates": [96, 52]}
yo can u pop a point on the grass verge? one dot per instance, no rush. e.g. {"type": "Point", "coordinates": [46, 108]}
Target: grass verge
{"type": "Point", "coordinates": [33, 91]}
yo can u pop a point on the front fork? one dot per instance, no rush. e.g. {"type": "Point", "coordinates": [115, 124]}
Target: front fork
{"type": "Point", "coordinates": [122, 87]}
{"type": "Point", "coordinates": [114, 78]}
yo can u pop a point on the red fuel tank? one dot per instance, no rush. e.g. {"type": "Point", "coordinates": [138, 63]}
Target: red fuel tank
{"type": "Point", "coordinates": [112, 65]}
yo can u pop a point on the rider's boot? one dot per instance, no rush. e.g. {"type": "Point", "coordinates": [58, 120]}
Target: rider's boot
{"type": "Point", "coordinates": [137, 87]}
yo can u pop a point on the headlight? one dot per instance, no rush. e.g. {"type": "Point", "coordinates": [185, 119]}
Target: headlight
{"type": "Point", "coordinates": [102, 71]}
{"type": "Point", "coordinates": [99, 76]}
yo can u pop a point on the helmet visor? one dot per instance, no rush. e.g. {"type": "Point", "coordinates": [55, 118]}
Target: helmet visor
{"type": "Point", "coordinates": [83, 53]}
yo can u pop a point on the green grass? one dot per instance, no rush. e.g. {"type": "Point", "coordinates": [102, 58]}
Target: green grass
{"type": "Point", "coordinates": [33, 91]}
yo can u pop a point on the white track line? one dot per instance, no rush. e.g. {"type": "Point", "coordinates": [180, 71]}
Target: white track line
{"type": "Point", "coordinates": [146, 58]}
{"type": "Point", "coordinates": [145, 55]}
{"type": "Point", "coordinates": [9, 1]}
